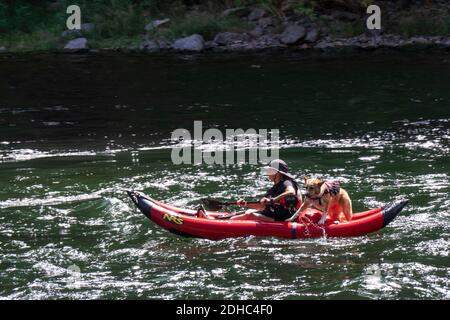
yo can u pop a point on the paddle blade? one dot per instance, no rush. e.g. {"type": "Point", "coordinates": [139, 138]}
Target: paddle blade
{"type": "Point", "coordinates": [213, 204]}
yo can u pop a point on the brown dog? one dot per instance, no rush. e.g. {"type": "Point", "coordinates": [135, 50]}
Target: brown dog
{"type": "Point", "coordinates": [329, 197]}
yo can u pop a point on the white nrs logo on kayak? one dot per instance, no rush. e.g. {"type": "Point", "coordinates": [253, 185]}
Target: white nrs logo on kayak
{"type": "Point", "coordinates": [236, 146]}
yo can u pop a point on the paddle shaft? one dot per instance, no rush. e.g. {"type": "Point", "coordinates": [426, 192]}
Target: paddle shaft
{"type": "Point", "coordinates": [235, 203]}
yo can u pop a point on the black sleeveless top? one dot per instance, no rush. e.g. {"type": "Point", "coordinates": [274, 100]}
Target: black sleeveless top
{"type": "Point", "coordinates": [279, 188]}
{"type": "Point", "coordinates": [287, 207]}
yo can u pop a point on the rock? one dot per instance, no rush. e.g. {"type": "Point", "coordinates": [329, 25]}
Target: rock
{"type": "Point", "coordinates": [164, 45]}
{"type": "Point", "coordinates": [266, 22]}
{"type": "Point", "coordinates": [293, 34]}
{"type": "Point", "coordinates": [156, 24]}
{"type": "Point", "coordinates": [150, 45]}
{"type": "Point", "coordinates": [374, 32]}
{"type": "Point", "coordinates": [226, 38]}
{"type": "Point", "coordinates": [345, 16]}
{"type": "Point", "coordinates": [239, 12]}
{"type": "Point", "coordinates": [69, 33]}
{"type": "Point", "coordinates": [257, 31]}
{"type": "Point", "coordinates": [85, 28]}
{"type": "Point", "coordinates": [364, 38]}
{"type": "Point", "coordinates": [2, 49]}
{"type": "Point", "coordinates": [354, 42]}
{"type": "Point", "coordinates": [420, 40]}
{"type": "Point", "coordinates": [264, 26]}
{"type": "Point", "coordinates": [312, 36]}
{"type": "Point", "coordinates": [269, 41]}
{"type": "Point", "coordinates": [389, 43]}
{"type": "Point", "coordinates": [210, 45]}
{"type": "Point", "coordinates": [446, 42]}
{"type": "Point", "coordinates": [77, 44]}
{"type": "Point", "coordinates": [192, 43]}
{"type": "Point", "coordinates": [239, 46]}
{"type": "Point", "coordinates": [324, 45]}
{"type": "Point", "coordinates": [368, 46]}
{"type": "Point", "coordinates": [155, 45]}
{"type": "Point", "coordinates": [257, 14]}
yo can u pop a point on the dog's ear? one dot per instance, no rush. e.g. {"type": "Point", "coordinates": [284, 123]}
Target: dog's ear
{"type": "Point", "coordinates": [305, 178]}
{"type": "Point", "coordinates": [321, 187]}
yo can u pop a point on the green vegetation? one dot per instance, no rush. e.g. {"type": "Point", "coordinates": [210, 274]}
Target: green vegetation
{"type": "Point", "coordinates": [27, 26]}
{"type": "Point", "coordinates": [203, 23]}
{"type": "Point", "coordinates": [38, 25]}
{"type": "Point", "coordinates": [422, 25]}
{"type": "Point", "coordinates": [347, 29]}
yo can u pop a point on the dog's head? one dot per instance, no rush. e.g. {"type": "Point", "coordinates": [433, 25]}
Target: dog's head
{"type": "Point", "coordinates": [312, 186]}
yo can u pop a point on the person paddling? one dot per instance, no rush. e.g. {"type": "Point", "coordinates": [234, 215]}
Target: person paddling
{"type": "Point", "coordinates": [280, 202]}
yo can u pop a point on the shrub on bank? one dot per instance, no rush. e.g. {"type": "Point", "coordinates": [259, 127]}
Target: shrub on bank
{"type": "Point", "coordinates": [422, 25]}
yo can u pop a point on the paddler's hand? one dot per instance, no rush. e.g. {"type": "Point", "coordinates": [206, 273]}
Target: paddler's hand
{"type": "Point", "coordinates": [265, 201]}
{"type": "Point", "coordinates": [241, 203]}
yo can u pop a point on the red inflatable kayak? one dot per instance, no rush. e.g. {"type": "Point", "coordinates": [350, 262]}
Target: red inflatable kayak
{"type": "Point", "coordinates": [184, 222]}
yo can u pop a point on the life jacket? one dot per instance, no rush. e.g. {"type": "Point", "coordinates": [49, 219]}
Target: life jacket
{"type": "Point", "coordinates": [292, 202]}
{"type": "Point", "coordinates": [332, 187]}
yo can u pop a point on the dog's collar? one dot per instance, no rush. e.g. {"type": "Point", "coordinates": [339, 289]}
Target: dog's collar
{"type": "Point", "coordinates": [315, 198]}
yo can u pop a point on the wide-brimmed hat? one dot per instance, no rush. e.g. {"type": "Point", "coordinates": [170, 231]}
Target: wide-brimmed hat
{"type": "Point", "coordinates": [275, 166]}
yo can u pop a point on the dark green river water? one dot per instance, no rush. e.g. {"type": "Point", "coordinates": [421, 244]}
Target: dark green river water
{"type": "Point", "coordinates": [76, 130]}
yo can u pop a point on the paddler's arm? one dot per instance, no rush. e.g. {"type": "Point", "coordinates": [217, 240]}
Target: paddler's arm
{"type": "Point", "coordinates": [290, 191]}
{"type": "Point", "coordinates": [257, 206]}
{"type": "Point", "coordinates": [265, 200]}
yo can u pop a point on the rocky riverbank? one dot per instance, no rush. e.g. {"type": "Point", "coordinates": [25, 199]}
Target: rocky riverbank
{"type": "Point", "coordinates": [300, 32]}
{"type": "Point", "coordinates": [228, 42]}
{"type": "Point", "coordinates": [329, 30]}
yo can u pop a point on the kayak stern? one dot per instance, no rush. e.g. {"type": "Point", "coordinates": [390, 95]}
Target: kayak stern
{"type": "Point", "coordinates": [144, 205]}
{"type": "Point", "coordinates": [391, 210]}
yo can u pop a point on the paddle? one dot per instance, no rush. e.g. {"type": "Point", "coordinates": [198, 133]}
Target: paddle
{"type": "Point", "coordinates": [215, 205]}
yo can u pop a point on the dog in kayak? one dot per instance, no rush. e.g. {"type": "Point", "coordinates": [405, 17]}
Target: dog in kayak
{"type": "Point", "coordinates": [329, 197]}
